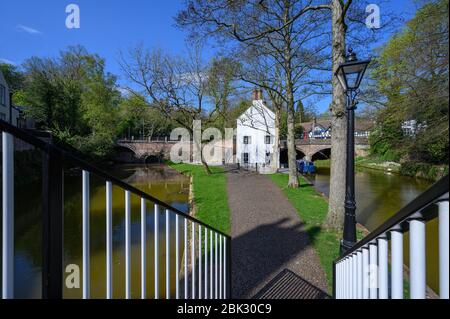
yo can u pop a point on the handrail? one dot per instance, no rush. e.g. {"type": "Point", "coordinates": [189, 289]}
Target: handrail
{"type": "Point", "coordinates": [68, 155]}
{"type": "Point", "coordinates": [419, 204]}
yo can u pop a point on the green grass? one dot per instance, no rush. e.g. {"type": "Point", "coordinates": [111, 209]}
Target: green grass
{"type": "Point", "coordinates": [210, 195]}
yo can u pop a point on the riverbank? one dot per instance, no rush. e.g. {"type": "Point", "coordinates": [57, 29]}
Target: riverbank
{"type": "Point", "coordinates": [312, 208]}
{"type": "Point", "coordinates": [209, 195]}
{"type": "Point", "coordinates": [410, 169]}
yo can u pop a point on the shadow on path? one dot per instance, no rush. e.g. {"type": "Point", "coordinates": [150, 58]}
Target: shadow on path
{"type": "Point", "coordinates": [257, 256]}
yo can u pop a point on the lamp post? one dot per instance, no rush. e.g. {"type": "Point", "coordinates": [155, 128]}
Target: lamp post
{"type": "Point", "coordinates": [350, 74]}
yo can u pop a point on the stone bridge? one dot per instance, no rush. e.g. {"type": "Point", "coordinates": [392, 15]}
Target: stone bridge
{"type": "Point", "coordinates": [314, 149]}
{"type": "Point", "coordinates": [155, 151]}
{"type": "Point", "coordinates": [144, 151]}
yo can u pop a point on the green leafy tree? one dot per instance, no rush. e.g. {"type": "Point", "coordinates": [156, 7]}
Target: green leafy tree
{"type": "Point", "coordinates": [412, 76]}
{"type": "Point", "coordinates": [73, 97]}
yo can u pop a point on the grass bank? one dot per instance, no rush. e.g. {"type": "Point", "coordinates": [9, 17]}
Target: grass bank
{"type": "Point", "coordinates": [210, 195]}
{"type": "Point", "coordinates": [312, 209]}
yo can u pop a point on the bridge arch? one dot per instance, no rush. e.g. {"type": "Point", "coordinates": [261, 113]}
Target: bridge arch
{"type": "Point", "coordinates": [152, 158]}
{"type": "Point", "coordinates": [124, 154]}
{"type": "Point", "coordinates": [322, 154]}
{"type": "Point", "coordinates": [284, 155]}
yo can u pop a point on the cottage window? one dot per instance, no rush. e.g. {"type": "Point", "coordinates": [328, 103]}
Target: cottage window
{"type": "Point", "coordinates": [2, 95]}
{"type": "Point", "coordinates": [268, 139]}
{"type": "Point", "coordinates": [246, 158]}
{"type": "Point", "coordinates": [247, 140]}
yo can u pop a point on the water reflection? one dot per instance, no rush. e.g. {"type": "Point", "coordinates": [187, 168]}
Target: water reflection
{"type": "Point", "coordinates": [378, 197]}
{"type": "Point", "coordinates": [159, 181]}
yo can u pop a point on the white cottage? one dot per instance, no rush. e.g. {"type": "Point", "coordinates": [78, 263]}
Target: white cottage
{"type": "Point", "coordinates": [255, 137]}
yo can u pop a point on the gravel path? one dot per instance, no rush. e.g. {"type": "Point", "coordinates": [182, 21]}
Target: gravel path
{"type": "Point", "coordinates": [267, 236]}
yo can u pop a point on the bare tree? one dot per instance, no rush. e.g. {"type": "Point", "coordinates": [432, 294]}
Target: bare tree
{"type": "Point", "coordinates": [175, 86]}
{"type": "Point", "coordinates": [280, 31]}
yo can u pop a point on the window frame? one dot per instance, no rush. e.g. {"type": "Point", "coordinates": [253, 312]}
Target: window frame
{"type": "Point", "coordinates": [2, 95]}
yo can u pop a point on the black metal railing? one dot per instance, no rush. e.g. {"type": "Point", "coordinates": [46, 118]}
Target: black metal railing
{"type": "Point", "coordinates": [363, 271]}
{"type": "Point", "coordinates": [55, 157]}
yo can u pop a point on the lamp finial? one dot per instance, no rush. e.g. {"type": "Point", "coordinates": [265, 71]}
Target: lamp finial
{"type": "Point", "coordinates": [351, 56]}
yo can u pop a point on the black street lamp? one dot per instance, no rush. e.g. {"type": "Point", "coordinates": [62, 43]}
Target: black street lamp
{"type": "Point", "coordinates": [350, 74]}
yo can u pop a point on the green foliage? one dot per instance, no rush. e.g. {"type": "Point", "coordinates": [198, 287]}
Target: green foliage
{"type": "Point", "coordinates": [139, 119]}
{"type": "Point", "coordinates": [423, 170]}
{"type": "Point", "coordinates": [13, 76]}
{"type": "Point", "coordinates": [210, 195]}
{"type": "Point", "coordinates": [412, 75]}
{"type": "Point", "coordinates": [73, 97]}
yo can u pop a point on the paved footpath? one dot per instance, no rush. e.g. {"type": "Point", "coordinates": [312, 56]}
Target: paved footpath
{"type": "Point", "coordinates": [272, 255]}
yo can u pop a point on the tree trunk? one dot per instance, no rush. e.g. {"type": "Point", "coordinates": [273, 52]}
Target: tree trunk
{"type": "Point", "coordinates": [292, 154]}
{"type": "Point", "coordinates": [204, 163]}
{"type": "Point", "coordinates": [336, 211]}
{"type": "Point", "coordinates": [276, 142]}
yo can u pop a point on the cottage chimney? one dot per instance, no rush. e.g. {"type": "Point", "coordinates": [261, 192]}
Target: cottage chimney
{"type": "Point", "coordinates": [257, 94]}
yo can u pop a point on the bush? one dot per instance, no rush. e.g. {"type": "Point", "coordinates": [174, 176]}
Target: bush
{"type": "Point", "coordinates": [423, 170]}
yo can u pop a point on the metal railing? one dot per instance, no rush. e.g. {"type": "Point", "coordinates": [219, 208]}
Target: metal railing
{"type": "Point", "coordinates": [363, 272]}
{"type": "Point", "coordinates": [210, 280]}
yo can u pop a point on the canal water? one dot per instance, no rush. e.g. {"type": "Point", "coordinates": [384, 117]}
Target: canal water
{"type": "Point", "coordinates": [161, 182]}
{"type": "Point", "coordinates": [380, 195]}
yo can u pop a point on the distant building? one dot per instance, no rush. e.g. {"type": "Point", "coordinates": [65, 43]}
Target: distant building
{"type": "Point", "coordinates": [317, 129]}
{"type": "Point", "coordinates": [8, 113]}
{"type": "Point", "coordinates": [321, 129]}
{"type": "Point", "coordinates": [255, 137]}
{"type": "Point", "coordinates": [411, 127]}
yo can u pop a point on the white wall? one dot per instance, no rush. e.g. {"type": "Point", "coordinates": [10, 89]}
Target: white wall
{"type": "Point", "coordinates": [256, 122]}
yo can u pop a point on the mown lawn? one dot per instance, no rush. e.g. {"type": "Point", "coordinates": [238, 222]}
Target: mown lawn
{"type": "Point", "coordinates": [210, 195]}
{"type": "Point", "coordinates": [312, 209]}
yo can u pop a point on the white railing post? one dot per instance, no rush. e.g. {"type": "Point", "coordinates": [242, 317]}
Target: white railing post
{"type": "Point", "coordinates": [359, 266]}
{"type": "Point", "coordinates": [127, 245]}
{"type": "Point", "coordinates": [193, 259]}
{"type": "Point", "coordinates": [225, 267]}
{"type": "Point", "coordinates": [177, 256]}
{"type": "Point", "coordinates": [215, 266]}
{"type": "Point", "coordinates": [366, 272]}
{"type": "Point", "coordinates": [167, 254]}
{"type": "Point", "coordinates": [417, 258]}
{"type": "Point", "coordinates": [85, 222]}
{"type": "Point", "coordinates": [8, 216]}
{"type": "Point", "coordinates": [443, 250]}
{"type": "Point", "coordinates": [211, 261]}
{"type": "Point", "coordinates": [383, 268]}
{"type": "Point", "coordinates": [109, 240]}
{"type": "Point", "coordinates": [355, 276]}
{"type": "Point", "coordinates": [156, 242]}
{"type": "Point", "coordinates": [373, 271]}
{"type": "Point", "coordinates": [220, 266]}
{"type": "Point", "coordinates": [338, 281]}
{"type": "Point", "coordinates": [346, 280]}
{"type": "Point", "coordinates": [200, 262]}
{"type": "Point", "coordinates": [143, 249]}
{"type": "Point", "coordinates": [397, 264]}
{"type": "Point", "coordinates": [206, 263]}
{"type": "Point", "coordinates": [186, 290]}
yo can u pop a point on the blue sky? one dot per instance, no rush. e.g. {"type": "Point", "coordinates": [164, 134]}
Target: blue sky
{"type": "Point", "coordinates": [38, 28]}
